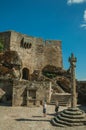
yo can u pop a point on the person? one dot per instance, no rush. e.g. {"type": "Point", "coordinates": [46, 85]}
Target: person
{"type": "Point", "coordinates": [44, 109]}
{"type": "Point", "coordinates": [56, 106]}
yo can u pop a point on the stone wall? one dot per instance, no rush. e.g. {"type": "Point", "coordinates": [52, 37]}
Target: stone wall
{"type": "Point", "coordinates": [19, 93]}
{"type": "Point", "coordinates": [43, 91]}
{"type": "Point", "coordinates": [81, 88]}
{"type": "Point", "coordinates": [20, 89]}
{"type": "Point", "coordinates": [35, 53]}
{"type": "Point", "coordinates": [5, 38]}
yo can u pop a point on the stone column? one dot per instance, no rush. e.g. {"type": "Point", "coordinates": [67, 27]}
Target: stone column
{"type": "Point", "coordinates": [27, 97]}
{"type": "Point", "coordinates": [50, 88]}
{"type": "Point", "coordinates": [72, 61]}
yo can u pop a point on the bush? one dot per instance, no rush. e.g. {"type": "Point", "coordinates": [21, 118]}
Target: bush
{"type": "Point", "coordinates": [1, 45]}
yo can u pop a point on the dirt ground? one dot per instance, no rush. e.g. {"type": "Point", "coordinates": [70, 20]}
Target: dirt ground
{"type": "Point", "coordinates": [24, 118]}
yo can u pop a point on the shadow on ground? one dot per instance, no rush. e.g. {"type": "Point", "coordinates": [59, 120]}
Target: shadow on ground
{"type": "Point", "coordinates": [51, 114]}
{"type": "Point", "coordinates": [30, 119]}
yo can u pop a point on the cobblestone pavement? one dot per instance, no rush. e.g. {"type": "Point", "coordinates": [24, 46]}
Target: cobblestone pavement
{"type": "Point", "coordinates": [24, 118]}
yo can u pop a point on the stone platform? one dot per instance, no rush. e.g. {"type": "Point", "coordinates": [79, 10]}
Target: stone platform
{"type": "Point", "coordinates": [69, 117]}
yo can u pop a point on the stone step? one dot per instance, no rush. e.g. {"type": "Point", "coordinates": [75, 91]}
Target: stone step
{"type": "Point", "coordinates": [60, 103]}
{"type": "Point", "coordinates": [72, 116]}
{"type": "Point", "coordinates": [66, 123]}
{"type": "Point", "coordinates": [62, 98]}
{"type": "Point", "coordinates": [60, 90]}
{"type": "Point", "coordinates": [73, 112]}
{"type": "Point", "coordinates": [54, 123]}
{"type": "Point", "coordinates": [70, 120]}
{"type": "Point", "coordinates": [58, 121]}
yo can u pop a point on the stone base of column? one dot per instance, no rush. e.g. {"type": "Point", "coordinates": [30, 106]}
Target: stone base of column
{"type": "Point", "coordinates": [69, 117]}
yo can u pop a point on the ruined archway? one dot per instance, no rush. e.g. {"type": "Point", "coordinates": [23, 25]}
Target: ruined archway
{"type": "Point", "coordinates": [25, 73]}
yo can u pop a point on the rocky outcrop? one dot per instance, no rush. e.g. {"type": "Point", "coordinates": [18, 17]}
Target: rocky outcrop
{"type": "Point", "coordinates": [10, 64]}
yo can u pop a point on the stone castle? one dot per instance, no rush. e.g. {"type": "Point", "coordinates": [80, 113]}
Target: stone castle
{"type": "Point", "coordinates": [35, 53]}
{"type": "Point", "coordinates": [31, 70]}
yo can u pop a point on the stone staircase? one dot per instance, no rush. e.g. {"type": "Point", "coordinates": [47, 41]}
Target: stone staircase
{"type": "Point", "coordinates": [69, 117]}
{"type": "Point", "coordinates": [64, 99]}
{"type": "Point", "coordinates": [59, 89]}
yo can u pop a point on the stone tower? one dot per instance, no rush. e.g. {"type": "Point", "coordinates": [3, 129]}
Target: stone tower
{"type": "Point", "coordinates": [35, 53]}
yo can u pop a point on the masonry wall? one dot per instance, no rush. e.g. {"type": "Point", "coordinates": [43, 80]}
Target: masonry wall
{"type": "Point", "coordinates": [19, 93]}
{"type": "Point", "coordinates": [5, 39]}
{"type": "Point", "coordinates": [40, 54]}
{"type": "Point", "coordinates": [81, 88]}
{"type": "Point", "coordinates": [19, 97]}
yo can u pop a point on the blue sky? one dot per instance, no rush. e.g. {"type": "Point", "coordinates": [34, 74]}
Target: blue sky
{"type": "Point", "coordinates": [63, 20]}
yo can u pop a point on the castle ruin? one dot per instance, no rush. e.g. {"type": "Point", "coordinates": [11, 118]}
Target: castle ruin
{"type": "Point", "coordinates": [31, 70]}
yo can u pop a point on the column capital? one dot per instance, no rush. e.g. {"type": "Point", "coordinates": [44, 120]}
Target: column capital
{"type": "Point", "coordinates": [72, 60]}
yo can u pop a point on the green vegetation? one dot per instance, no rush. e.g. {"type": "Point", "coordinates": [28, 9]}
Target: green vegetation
{"type": "Point", "coordinates": [50, 71]}
{"type": "Point", "coordinates": [49, 75]}
{"type": "Point", "coordinates": [1, 45]}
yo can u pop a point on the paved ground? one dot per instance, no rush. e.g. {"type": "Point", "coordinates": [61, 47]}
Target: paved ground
{"type": "Point", "coordinates": [24, 118]}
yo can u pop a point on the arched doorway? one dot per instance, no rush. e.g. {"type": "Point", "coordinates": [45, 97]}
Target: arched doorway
{"type": "Point", "coordinates": [25, 73]}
